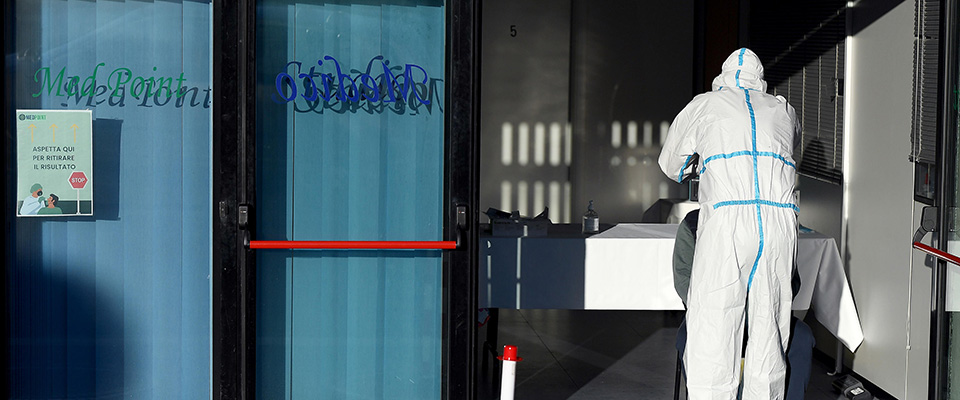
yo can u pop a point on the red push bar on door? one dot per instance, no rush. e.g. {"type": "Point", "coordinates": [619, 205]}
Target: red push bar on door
{"type": "Point", "coordinates": [937, 253]}
{"type": "Point", "coordinates": [352, 245]}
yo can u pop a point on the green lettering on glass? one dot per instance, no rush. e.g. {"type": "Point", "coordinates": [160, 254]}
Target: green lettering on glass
{"type": "Point", "coordinates": [89, 90]}
{"type": "Point", "coordinates": [119, 83]}
{"type": "Point", "coordinates": [119, 74]}
{"type": "Point", "coordinates": [46, 80]}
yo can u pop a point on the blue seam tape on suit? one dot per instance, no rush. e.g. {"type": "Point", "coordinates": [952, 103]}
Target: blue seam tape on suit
{"type": "Point", "coordinates": [756, 171]}
{"type": "Point", "coordinates": [755, 202]}
{"type": "Point", "coordinates": [746, 153]}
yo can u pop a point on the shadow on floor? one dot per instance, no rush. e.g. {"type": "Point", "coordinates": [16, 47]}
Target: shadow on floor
{"type": "Point", "coordinates": [584, 355]}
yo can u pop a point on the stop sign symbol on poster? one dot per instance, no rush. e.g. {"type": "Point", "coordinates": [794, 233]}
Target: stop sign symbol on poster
{"type": "Point", "coordinates": [78, 180]}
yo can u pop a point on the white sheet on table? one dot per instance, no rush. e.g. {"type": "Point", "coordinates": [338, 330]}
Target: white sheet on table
{"type": "Point", "coordinates": [623, 273]}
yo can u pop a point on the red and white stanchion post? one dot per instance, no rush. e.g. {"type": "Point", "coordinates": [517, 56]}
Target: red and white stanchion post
{"type": "Point", "coordinates": [508, 379]}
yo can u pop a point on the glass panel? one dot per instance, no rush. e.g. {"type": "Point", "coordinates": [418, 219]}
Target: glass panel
{"type": "Point", "coordinates": [953, 291]}
{"type": "Point", "coordinates": [350, 147]}
{"type": "Point", "coordinates": [562, 123]}
{"type": "Point", "coordinates": [953, 271]}
{"type": "Point", "coordinates": [117, 304]}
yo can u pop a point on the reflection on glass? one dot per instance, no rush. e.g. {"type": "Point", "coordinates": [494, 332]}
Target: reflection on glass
{"type": "Point", "coordinates": [117, 304]}
{"type": "Point", "coordinates": [953, 310]}
{"type": "Point", "coordinates": [350, 147]}
{"type": "Point", "coordinates": [953, 284]}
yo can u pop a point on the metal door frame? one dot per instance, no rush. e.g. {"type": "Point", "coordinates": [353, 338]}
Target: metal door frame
{"type": "Point", "coordinates": [946, 148]}
{"type": "Point", "coordinates": [234, 199]}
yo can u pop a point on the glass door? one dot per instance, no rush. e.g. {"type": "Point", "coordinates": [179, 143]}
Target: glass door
{"type": "Point", "coordinates": [359, 142]}
{"type": "Point", "coordinates": [951, 318]}
{"type": "Point", "coordinates": [106, 276]}
{"type": "Point", "coordinates": [945, 374]}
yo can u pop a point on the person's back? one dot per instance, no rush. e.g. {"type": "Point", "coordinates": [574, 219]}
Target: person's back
{"type": "Point", "coordinates": [748, 120]}
{"type": "Point", "coordinates": [746, 242]}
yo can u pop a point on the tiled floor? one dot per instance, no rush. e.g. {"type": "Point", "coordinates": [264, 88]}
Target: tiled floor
{"type": "Point", "coordinates": [599, 355]}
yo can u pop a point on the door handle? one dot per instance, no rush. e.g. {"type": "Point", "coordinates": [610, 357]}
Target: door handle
{"type": "Point", "coordinates": [928, 223]}
{"type": "Point", "coordinates": [461, 218]}
{"type": "Point", "coordinates": [353, 245]}
{"type": "Point", "coordinates": [950, 258]}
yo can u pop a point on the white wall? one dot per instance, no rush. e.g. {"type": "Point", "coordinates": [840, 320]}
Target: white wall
{"type": "Point", "coordinates": [890, 285]}
{"type": "Point", "coordinates": [918, 321]}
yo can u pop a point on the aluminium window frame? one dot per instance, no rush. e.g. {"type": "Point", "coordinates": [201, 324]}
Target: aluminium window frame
{"type": "Point", "coordinates": [946, 128]}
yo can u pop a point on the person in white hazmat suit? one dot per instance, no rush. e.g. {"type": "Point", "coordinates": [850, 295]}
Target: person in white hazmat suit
{"type": "Point", "coordinates": [747, 236]}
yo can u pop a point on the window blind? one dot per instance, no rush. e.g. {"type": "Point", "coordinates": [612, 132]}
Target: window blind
{"type": "Point", "coordinates": [926, 44]}
{"type": "Point", "coordinates": [804, 62]}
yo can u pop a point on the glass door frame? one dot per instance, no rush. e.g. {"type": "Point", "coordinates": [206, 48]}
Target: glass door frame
{"type": "Point", "coordinates": [234, 198]}
{"type": "Point", "coordinates": [9, 244]}
{"type": "Point", "coordinates": [946, 149]}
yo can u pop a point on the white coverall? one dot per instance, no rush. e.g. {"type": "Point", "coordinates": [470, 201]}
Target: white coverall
{"type": "Point", "coordinates": [747, 235]}
{"type": "Point", "coordinates": [31, 205]}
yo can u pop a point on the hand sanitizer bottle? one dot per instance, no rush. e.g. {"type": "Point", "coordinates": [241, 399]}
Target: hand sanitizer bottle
{"type": "Point", "coordinates": [591, 221]}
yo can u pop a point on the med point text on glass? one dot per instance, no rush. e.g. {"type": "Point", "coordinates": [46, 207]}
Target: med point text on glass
{"type": "Point", "coordinates": [120, 82]}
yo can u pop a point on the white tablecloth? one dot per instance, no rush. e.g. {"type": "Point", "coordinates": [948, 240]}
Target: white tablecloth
{"type": "Point", "coordinates": [629, 267]}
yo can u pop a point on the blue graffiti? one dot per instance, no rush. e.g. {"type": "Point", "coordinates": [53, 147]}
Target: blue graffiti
{"type": "Point", "coordinates": [380, 86]}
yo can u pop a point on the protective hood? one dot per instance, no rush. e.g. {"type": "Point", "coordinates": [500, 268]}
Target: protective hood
{"type": "Point", "coordinates": [742, 69]}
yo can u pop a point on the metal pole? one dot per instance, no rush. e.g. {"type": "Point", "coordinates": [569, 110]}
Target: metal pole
{"type": "Point", "coordinates": [508, 378]}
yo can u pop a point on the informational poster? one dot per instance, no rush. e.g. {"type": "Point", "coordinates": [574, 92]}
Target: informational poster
{"type": "Point", "coordinates": [54, 163]}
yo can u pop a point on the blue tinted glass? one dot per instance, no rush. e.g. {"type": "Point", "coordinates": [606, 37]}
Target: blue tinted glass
{"type": "Point", "coordinates": [350, 147]}
{"type": "Point", "coordinates": [117, 305]}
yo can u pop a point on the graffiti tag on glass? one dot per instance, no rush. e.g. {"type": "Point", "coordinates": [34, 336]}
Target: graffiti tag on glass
{"type": "Point", "coordinates": [381, 87]}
